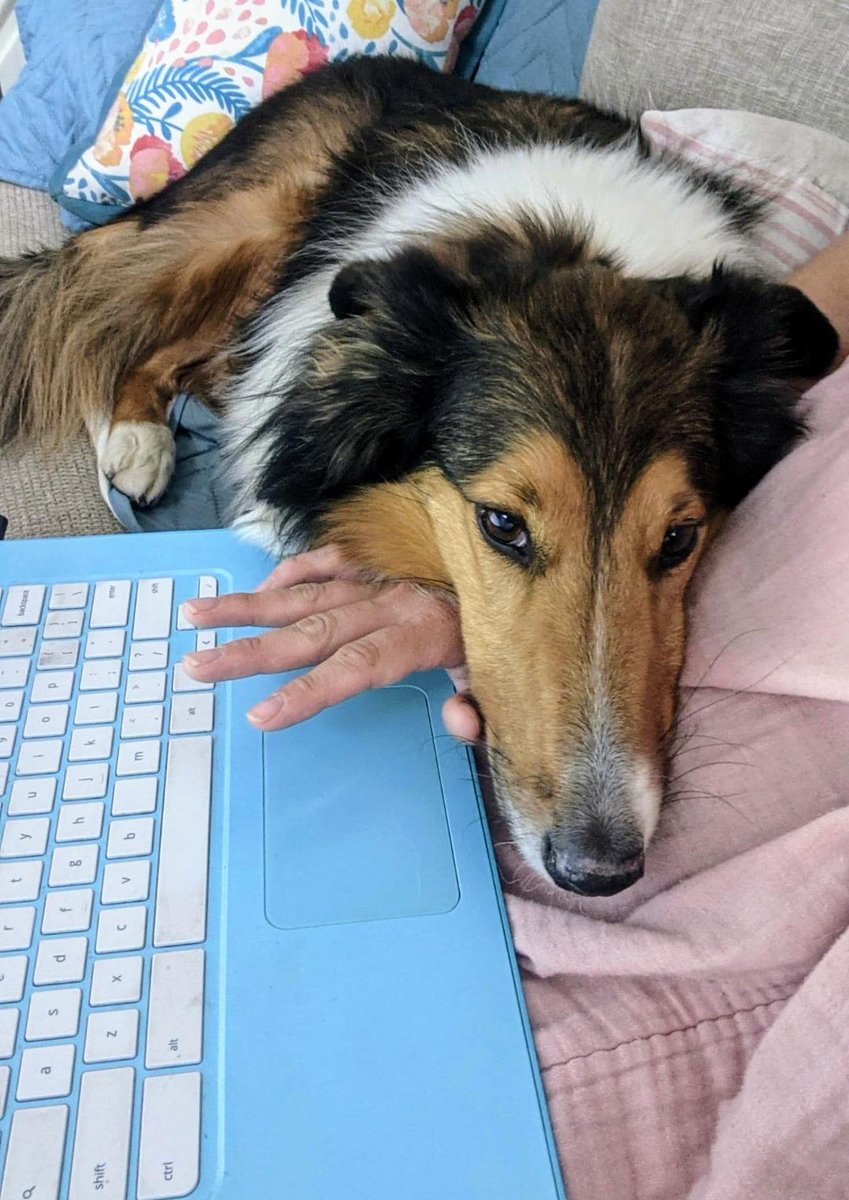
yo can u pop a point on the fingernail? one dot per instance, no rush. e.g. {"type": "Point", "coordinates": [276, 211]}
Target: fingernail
{"type": "Point", "coordinates": [201, 604]}
{"type": "Point", "coordinates": [265, 710]}
{"type": "Point", "coordinates": [199, 658]}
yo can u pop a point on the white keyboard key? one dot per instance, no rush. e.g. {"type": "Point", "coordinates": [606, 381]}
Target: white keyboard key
{"type": "Point", "coordinates": [111, 604]}
{"type": "Point", "coordinates": [52, 685]}
{"type": "Point", "coordinates": [86, 781]}
{"type": "Point", "coordinates": [105, 643]}
{"type": "Point", "coordinates": [23, 605]}
{"type": "Point", "coordinates": [53, 1014]}
{"type": "Point", "coordinates": [129, 838]}
{"type": "Point", "coordinates": [96, 708]}
{"type": "Point", "coordinates": [148, 656]}
{"type": "Point", "coordinates": [63, 625]}
{"type": "Point", "coordinates": [146, 687]}
{"type": "Point", "coordinates": [11, 704]}
{"type": "Point", "coordinates": [67, 912]}
{"type": "Point", "coordinates": [192, 713]}
{"type": "Point", "coordinates": [134, 795]}
{"type": "Point", "coordinates": [73, 865]}
{"type": "Point", "coordinates": [116, 981]}
{"type": "Point", "coordinates": [39, 757]}
{"type": "Point", "coordinates": [154, 598]}
{"type": "Point", "coordinates": [47, 720]}
{"type": "Point", "coordinates": [61, 960]}
{"type": "Point", "coordinates": [4, 775]}
{"type": "Point", "coordinates": [13, 974]}
{"type": "Point", "coordinates": [112, 1036]}
{"type": "Point", "coordinates": [69, 595]}
{"type": "Point", "coordinates": [90, 743]}
{"type": "Point", "coordinates": [14, 642]}
{"type": "Point", "coordinates": [121, 929]}
{"type": "Point", "coordinates": [54, 656]}
{"type": "Point", "coordinates": [20, 881]}
{"type": "Point", "coordinates": [207, 586]}
{"type": "Point", "coordinates": [25, 838]}
{"type": "Point", "coordinates": [14, 672]}
{"type": "Point", "coordinates": [183, 621]}
{"type": "Point", "coordinates": [8, 1031]}
{"type": "Point", "coordinates": [181, 892]}
{"type": "Point", "coordinates": [33, 1167]}
{"type": "Point", "coordinates": [175, 1010]}
{"type": "Point", "coordinates": [79, 822]}
{"type": "Point", "coordinates": [5, 1076]}
{"type": "Point", "coordinates": [31, 796]}
{"type": "Point", "coordinates": [126, 881]}
{"type": "Point", "coordinates": [46, 1073]}
{"type": "Point", "coordinates": [184, 683]}
{"type": "Point", "coordinates": [207, 639]}
{"type": "Point", "coordinates": [169, 1146]}
{"type": "Point", "coordinates": [138, 758]}
{"type": "Point", "coordinates": [8, 736]}
{"type": "Point", "coordinates": [143, 720]}
{"type": "Point", "coordinates": [102, 1138]}
{"type": "Point", "coordinates": [16, 928]}
{"type": "Point", "coordinates": [100, 674]}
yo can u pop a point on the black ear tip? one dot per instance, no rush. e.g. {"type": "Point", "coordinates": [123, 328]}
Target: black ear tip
{"type": "Point", "coordinates": [349, 291]}
{"type": "Point", "coordinates": [811, 334]}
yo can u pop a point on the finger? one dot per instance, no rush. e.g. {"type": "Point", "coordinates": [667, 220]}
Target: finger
{"type": "Point", "coordinates": [461, 718]}
{"type": "Point", "coordinates": [380, 658]}
{"type": "Point", "coordinates": [278, 607]}
{"type": "Point", "coordinates": [303, 644]}
{"type": "Point", "coordinates": [313, 566]}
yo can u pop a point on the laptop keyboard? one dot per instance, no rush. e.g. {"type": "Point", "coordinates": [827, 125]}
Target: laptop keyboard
{"type": "Point", "coordinates": [105, 788]}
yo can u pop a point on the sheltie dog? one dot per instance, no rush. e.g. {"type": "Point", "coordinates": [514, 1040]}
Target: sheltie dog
{"type": "Point", "coordinates": [482, 340]}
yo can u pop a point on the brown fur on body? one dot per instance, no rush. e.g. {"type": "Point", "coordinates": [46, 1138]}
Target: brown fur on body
{"type": "Point", "coordinates": [488, 370]}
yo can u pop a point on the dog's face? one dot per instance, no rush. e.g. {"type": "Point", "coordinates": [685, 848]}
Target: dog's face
{"type": "Point", "coordinates": [552, 445]}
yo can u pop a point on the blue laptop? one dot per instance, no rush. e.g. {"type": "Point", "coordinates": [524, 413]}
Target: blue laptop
{"type": "Point", "coordinates": [234, 965]}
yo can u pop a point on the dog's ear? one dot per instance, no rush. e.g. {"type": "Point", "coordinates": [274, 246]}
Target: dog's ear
{"type": "Point", "coordinates": [772, 342]}
{"type": "Point", "coordinates": [361, 408]}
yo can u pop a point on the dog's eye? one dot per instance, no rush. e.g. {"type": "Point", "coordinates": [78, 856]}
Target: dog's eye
{"type": "Point", "coordinates": [505, 531]}
{"type": "Point", "coordinates": [679, 543]}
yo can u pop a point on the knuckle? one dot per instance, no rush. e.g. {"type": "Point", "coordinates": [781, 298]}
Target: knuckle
{"type": "Point", "coordinates": [309, 592]}
{"type": "Point", "coordinates": [363, 655]}
{"type": "Point", "coordinates": [303, 685]}
{"type": "Point", "coordinates": [318, 628]}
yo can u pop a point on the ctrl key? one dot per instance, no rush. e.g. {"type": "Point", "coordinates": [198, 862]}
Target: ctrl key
{"type": "Point", "coordinates": [36, 1149]}
{"type": "Point", "coordinates": [169, 1149]}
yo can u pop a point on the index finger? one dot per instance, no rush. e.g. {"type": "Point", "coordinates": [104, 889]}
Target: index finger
{"type": "Point", "coordinates": [280, 606]}
{"type": "Point", "coordinates": [313, 566]}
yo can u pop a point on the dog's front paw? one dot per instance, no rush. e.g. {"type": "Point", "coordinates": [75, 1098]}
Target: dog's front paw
{"type": "Point", "coordinates": [138, 458]}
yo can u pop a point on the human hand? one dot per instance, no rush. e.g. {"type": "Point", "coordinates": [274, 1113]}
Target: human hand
{"type": "Point", "coordinates": [356, 634]}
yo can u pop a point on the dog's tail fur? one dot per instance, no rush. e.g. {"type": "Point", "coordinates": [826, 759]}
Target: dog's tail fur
{"type": "Point", "coordinates": [72, 321]}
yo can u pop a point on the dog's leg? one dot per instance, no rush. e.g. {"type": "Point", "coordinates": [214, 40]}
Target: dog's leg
{"type": "Point", "coordinates": [136, 453]}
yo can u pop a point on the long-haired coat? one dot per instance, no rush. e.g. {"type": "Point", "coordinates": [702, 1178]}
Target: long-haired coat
{"type": "Point", "coordinates": [480, 340]}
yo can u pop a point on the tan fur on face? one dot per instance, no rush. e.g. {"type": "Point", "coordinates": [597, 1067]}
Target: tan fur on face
{"type": "Point", "coordinates": [539, 642]}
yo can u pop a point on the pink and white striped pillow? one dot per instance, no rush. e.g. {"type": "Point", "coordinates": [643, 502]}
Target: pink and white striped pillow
{"type": "Point", "coordinates": [803, 172]}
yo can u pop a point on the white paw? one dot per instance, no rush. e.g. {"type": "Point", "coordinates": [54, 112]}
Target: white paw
{"type": "Point", "coordinates": [138, 458]}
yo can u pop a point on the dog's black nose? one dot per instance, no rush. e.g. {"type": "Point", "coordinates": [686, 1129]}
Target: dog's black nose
{"type": "Point", "coordinates": [590, 874]}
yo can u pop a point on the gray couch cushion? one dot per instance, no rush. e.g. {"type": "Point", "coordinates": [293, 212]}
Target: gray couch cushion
{"type": "Point", "coordinates": [787, 58]}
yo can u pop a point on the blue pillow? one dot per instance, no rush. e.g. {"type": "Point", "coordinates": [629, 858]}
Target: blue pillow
{"type": "Point", "coordinates": [74, 50]}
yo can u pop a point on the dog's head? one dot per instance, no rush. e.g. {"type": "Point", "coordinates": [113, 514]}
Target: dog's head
{"type": "Point", "coordinates": [552, 442]}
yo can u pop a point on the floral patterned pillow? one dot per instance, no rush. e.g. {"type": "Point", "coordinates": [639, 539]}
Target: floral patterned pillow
{"type": "Point", "coordinates": [205, 63]}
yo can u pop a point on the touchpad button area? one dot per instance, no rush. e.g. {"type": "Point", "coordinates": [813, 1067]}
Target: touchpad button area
{"type": "Point", "coordinates": [355, 820]}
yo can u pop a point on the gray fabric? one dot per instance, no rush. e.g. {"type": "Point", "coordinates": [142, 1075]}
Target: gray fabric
{"type": "Point", "coordinates": [784, 58]}
{"type": "Point", "coordinates": [45, 494]}
{"type": "Point", "coordinates": [538, 46]}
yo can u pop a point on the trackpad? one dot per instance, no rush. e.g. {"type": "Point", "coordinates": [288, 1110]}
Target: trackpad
{"type": "Point", "coordinates": [355, 822]}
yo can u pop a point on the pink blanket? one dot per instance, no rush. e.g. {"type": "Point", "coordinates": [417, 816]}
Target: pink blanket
{"type": "Point", "coordinates": [694, 1031]}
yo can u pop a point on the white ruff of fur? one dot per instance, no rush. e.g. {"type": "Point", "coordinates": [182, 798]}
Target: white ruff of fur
{"type": "Point", "coordinates": [644, 215]}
